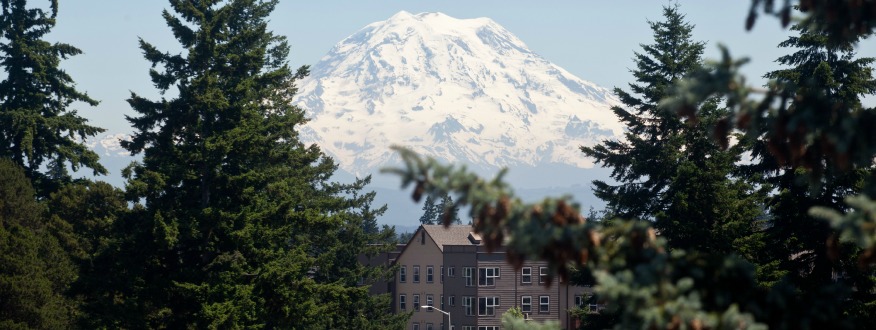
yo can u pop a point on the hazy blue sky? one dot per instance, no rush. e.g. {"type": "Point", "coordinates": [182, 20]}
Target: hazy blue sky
{"type": "Point", "coordinates": [594, 40]}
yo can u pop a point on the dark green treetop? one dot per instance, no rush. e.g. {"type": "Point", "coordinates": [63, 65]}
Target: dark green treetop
{"type": "Point", "coordinates": [672, 171]}
{"type": "Point", "coordinates": [235, 222]}
{"type": "Point", "coordinates": [35, 271]}
{"type": "Point", "coordinates": [651, 139]}
{"type": "Point", "coordinates": [826, 80]}
{"type": "Point", "coordinates": [39, 127]}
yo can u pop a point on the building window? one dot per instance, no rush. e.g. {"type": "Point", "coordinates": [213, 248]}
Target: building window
{"type": "Point", "coordinates": [402, 302]}
{"type": "Point", "coordinates": [468, 273]}
{"type": "Point", "coordinates": [579, 301]}
{"type": "Point", "coordinates": [526, 304]}
{"type": "Point", "coordinates": [430, 302]}
{"type": "Point", "coordinates": [544, 304]}
{"type": "Point", "coordinates": [403, 274]}
{"type": "Point", "coordinates": [526, 275]}
{"type": "Point", "coordinates": [467, 303]}
{"type": "Point", "coordinates": [442, 275]}
{"type": "Point", "coordinates": [417, 302]}
{"type": "Point", "coordinates": [416, 274]}
{"type": "Point", "coordinates": [416, 326]}
{"type": "Point", "coordinates": [542, 274]}
{"type": "Point", "coordinates": [441, 302]}
{"type": "Point", "coordinates": [467, 327]}
{"type": "Point", "coordinates": [429, 326]}
{"type": "Point", "coordinates": [487, 306]}
{"type": "Point", "coordinates": [430, 274]}
{"type": "Point", "coordinates": [488, 327]}
{"type": "Point", "coordinates": [487, 276]}
{"type": "Point", "coordinates": [422, 237]}
{"type": "Point", "coordinates": [451, 301]}
{"type": "Point", "coordinates": [451, 271]}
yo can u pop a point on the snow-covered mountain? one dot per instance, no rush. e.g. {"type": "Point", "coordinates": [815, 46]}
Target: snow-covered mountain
{"type": "Point", "coordinates": [461, 90]}
{"type": "Point", "coordinates": [109, 145]}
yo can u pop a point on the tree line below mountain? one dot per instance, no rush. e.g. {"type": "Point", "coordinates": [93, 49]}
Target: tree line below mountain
{"type": "Point", "coordinates": [229, 221]}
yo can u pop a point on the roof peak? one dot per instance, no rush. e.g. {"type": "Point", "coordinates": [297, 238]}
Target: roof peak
{"type": "Point", "coordinates": [451, 235]}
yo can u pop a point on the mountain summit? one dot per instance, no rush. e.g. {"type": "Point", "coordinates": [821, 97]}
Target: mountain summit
{"type": "Point", "coordinates": [461, 90]}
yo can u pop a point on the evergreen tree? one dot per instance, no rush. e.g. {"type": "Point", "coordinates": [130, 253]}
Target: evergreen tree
{"type": "Point", "coordinates": [430, 211]}
{"type": "Point", "coordinates": [670, 171]}
{"type": "Point", "coordinates": [39, 128]}
{"type": "Point", "coordinates": [81, 216]}
{"type": "Point", "coordinates": [34, 270]}
{"type": "Point", "coordinates": [239, 224]}
{"type": "Point", "coordinates": [440, 212]}
{"type": "Point", "coordinates": [821, 75]}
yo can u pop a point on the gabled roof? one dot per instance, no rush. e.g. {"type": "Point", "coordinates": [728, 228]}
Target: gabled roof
{"type": "Point", "coordinates": [452, 235]}
{"type": "Point", "coordinates": [442, 236]}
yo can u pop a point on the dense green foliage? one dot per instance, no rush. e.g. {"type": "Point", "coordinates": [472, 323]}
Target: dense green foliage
{"type": "Point", "coordinates": [819, 74]}
{"type": "Point", "coordinates": [513, 319]}
{"type": "Point", "coordinates": [235, 222]}
{"type": "Point", "coordinates": [34, 270]}
{"type": "Point", "coordinates": [670, 171]}
{"type": "Point", "coordinates": [39, 128]}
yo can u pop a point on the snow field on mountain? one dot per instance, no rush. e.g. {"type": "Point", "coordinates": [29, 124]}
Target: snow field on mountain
{"type": "Point", "coordinates": [461, 90]}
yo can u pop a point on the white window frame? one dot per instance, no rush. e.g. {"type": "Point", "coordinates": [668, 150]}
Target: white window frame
{"type": "Point", "coordinates": [402, 302]}
{"type": "Point", "coordinates": [526, 304]}
{"type": "Point", "coordinates": [403, 274]}
{"type": "Point", "coordinates": [416, 274]}
{"type": "Point", "coordinates": [451, 271]}
{"type": "Point", "coordinates": [441, 301]}
{"type": "Point", "coordinates": [467, 304]}
{"type": "Point", "coordinates": [468, 273]}
{"type": "Point", "coordinates": [430, 274]}
{"type": "Point", "coordinates": [542, 274]}
{"type": "Point", "coordinates": [526, 275]}
{"type": "Point", "coordinates": [430, 301]}
{"type": "Point", "coordinates": [489, 304]}
{"type": "Point", "coordinates": [416, 326]}
{"type": "Point", "coordinates": [579, 301]}
{"type": "Point", "coordinates": [442, 275]}
{"type": "Point", "coordinates": [416, 302]}
{"type": "Point", "coordinates": [451, 301]}
{"type": "Point", "coordinates": [544, 304]}
{"type": "Point", "coordinates": [487, 276]}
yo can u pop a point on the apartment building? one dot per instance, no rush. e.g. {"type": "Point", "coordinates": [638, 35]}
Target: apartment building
{"type": "Point", "coordinates": [450, 269]}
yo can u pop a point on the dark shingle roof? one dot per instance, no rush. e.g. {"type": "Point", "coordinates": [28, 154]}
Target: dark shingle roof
{"type": "Point", "coordinates": [453, 235]}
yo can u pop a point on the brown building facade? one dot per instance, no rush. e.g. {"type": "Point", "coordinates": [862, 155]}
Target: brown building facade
{"type": "Point", "coordinates": [450, 269]}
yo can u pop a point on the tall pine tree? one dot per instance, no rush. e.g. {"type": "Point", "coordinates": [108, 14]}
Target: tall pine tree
{"type": "Point", "coordinates": [239, 224]}
{"type": "Point", "coordinates": [39, 128]}
{"type": "Point", "coordinates": [824, 78]}
{"type": "Point", "coordinates": [670, 171]}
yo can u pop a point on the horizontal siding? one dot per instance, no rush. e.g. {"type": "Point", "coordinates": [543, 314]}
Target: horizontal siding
{"type": "Point", "coordinates": [509, 289]}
